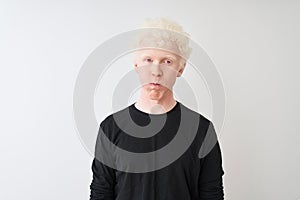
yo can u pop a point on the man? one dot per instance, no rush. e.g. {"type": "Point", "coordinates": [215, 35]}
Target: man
{"type": "Point", "coordinates": [191, 169]}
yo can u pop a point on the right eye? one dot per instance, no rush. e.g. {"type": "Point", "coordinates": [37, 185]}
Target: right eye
{"type": "Point", "coordinates": [148, 60]}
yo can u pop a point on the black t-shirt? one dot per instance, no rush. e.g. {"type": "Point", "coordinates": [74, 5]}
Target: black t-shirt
{"type": "Point", "coordinates": [189, 177]}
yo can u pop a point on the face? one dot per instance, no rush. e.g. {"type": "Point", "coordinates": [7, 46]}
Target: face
{"type": "Point", "coordinates": [157, 70]}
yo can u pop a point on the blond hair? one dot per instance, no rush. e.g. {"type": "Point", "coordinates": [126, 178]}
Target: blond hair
{"type": "Point", "coordinates": [164, 33]}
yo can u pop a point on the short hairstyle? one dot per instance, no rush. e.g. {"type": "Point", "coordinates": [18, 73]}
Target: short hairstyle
{"type": "Point", "coordinates": [167, 34]}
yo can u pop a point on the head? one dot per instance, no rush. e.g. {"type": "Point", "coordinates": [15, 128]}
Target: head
{"type": "Point", "coordinates": [162, 51]}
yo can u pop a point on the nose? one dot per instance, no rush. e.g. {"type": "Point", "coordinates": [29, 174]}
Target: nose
{"type": "Point", "coordinates": [155, 69]}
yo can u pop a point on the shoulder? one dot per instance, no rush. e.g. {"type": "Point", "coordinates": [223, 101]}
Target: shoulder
{"type": "Point", "coordinates": [110, 118]}
{"type": "Point", "coordinates": [206, 136]}
{"type": "Point", "coordinates": [111, 122]}
{"type": "Point", "coordinates": [204, 121]}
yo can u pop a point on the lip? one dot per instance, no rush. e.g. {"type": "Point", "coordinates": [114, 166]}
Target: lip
{"type": "Point", "coordinates": [154, 85]}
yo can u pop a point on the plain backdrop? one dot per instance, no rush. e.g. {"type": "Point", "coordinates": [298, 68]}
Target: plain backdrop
{"type": "Point", "coordinates": [255, 46]}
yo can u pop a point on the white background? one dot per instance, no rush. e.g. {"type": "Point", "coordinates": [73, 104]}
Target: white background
{"type": "Point", "coordinates": [254, 44]}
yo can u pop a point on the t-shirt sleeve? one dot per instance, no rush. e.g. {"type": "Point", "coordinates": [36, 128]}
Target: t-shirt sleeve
{"type": "Point", "coordinates": [104, 179]}
{"type": "Point", "coordinates": [210, 179]}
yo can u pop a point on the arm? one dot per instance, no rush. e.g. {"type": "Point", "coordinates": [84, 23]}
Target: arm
{"type": "Point", "coordinates": [104, 177]}
{"type": "Point", "coordinates": [102, 186]}
{"type": "Point", "coordinates": [210, 179]}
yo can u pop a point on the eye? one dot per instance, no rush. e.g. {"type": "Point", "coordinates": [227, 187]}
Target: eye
{"type": "Point", "coordinates": [168, 62]}
{"type": "Point", "coordinates": [148, 60]}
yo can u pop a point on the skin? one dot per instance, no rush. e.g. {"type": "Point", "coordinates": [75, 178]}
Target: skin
{"type": "Point", "coordinates": [157, 66]}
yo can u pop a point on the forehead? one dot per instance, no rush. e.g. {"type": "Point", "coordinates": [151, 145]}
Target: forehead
{"type": "Point", "coordinates": [159, 53]}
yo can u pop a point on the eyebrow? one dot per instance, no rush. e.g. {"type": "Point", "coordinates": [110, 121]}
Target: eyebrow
{"type": "Point", "coordinates": [167, 56]}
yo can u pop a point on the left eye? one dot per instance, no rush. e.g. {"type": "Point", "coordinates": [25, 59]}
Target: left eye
{"type": "Point", "coordinates": [168, 62]}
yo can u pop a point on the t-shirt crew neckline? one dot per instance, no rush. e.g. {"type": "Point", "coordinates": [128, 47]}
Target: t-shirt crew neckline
{"type": "Point", "coordinates": [156, 115]}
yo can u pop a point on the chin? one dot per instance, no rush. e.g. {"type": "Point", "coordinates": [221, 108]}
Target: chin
{"type": "Point", "coordinates": [154, 94]}
{"type": "Point", "coordinates": [154, 97]}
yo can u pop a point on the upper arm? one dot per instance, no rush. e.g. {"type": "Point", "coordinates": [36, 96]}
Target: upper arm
{"type": "Point", "coordinates": [104, 178]}
{"type": "Point", "coordinates": [211, 172]}
{"type": "Point", "coordinates": [102, 186]}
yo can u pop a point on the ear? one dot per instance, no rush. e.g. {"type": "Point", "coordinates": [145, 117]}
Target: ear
{"type": "Point", "coordinates": [136, 67]}
{"type": "Point", "coordinates": [180, 71]}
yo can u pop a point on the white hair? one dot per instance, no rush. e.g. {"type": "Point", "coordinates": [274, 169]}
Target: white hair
{"type": "Point", "coordinates": [164, 33]}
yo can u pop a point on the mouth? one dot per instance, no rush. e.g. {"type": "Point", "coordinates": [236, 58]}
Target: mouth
{"type": "Point", "coordinates": [154, 84]}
